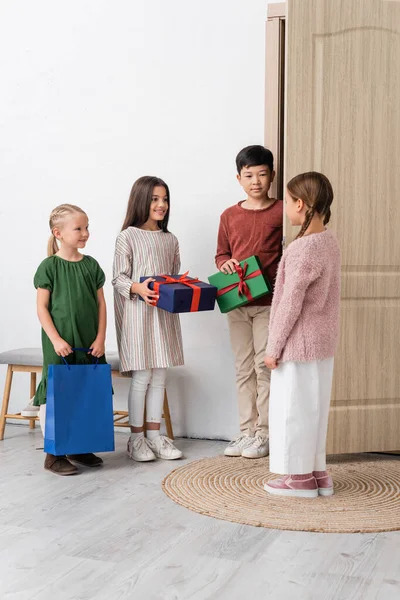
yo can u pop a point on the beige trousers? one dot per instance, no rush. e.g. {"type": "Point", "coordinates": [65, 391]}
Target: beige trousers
{"type": "Point", "coordinates": [248, 327]}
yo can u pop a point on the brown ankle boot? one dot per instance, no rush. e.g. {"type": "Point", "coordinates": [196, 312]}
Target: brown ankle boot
{"type": "Point", "coordinates": [59, 465]}
{"type": "Point", "coordinates": [87, 460]}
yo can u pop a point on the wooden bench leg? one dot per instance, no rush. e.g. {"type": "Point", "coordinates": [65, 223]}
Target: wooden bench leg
{"type": "Point", "coordinates": [32, 422]}
{"type": "Point", "coordinates": [6, 400]}
{"type": "Point", "coordinates": [167, 417]}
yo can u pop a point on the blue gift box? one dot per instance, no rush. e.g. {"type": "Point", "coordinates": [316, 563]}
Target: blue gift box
{"type": "Point", "coordinates": [180, 298]}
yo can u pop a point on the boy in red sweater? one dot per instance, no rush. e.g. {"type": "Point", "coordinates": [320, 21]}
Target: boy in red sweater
{"type": "Point", "coordinates": [253, 226]}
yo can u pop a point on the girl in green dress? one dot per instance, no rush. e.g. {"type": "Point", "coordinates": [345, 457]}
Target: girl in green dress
{"type": "Point", "coordinates": [71, 309]}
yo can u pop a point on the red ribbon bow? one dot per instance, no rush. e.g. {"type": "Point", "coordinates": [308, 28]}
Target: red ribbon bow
{"type": "Point", "coordinates": [184, 280]}
{"type": "Point", "coordinates": [243, 288]}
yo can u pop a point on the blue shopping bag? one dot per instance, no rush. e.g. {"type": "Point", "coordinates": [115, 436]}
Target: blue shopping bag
{"type": "Point", "coordinates": [79, 409]}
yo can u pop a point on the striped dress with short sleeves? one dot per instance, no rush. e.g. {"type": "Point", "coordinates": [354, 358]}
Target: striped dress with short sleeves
{"type": "Point", "coordinates": [147, 337]}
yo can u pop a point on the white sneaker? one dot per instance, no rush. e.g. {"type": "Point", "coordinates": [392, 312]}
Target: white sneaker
{"type": "Point", "coordinates": [30, 410]}
{"type": "Point", "coordinates": [163, 447]}
{"type": "Point", "coordinates": [258, 449]}
{"type": "Point", "coordinates": [139, 449]}
{"type": "Point", "coordinates": [236, 447]}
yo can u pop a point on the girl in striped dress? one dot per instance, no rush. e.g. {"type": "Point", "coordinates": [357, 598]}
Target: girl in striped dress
{"type": "Point", "coordinates": [149, 339]}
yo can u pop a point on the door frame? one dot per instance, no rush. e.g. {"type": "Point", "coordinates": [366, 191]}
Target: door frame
{"type": "Point", "coordinates": [275, 91]}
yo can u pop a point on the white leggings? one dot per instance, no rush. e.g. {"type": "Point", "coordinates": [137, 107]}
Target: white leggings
{"type": "Point", "coordinates": [147, 388]}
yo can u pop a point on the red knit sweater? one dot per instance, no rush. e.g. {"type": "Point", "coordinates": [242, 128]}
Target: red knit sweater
{"type": "Point", "coordinates": [243, 233]}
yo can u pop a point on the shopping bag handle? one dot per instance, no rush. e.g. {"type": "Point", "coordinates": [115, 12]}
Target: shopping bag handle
{"type": "Point", "coordinates": [88, 351]}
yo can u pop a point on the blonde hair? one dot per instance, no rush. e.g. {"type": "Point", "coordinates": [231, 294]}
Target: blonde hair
{"type": "Point", "coordinates": [57, 216]}
{"type": "Point", "coordinates": [316, 192]}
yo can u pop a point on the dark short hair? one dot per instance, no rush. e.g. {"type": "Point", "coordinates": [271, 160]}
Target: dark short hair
{"type": "Point", "coordinates": [138, 209]}
{"type": "Point", "coordinates": [253, 156]}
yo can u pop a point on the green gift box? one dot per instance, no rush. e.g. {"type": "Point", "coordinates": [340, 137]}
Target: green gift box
{"type": "Point", "coordinates": [240, 288]}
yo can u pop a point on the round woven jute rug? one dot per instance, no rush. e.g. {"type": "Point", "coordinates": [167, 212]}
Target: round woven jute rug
{"type": "Point", "coordinates": [366, 498]}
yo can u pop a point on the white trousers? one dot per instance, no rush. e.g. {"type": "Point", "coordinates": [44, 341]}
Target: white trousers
{"type": "Point", "coordinates": [298, 416]}
{"type": "Point", "coordinates": [147, 389]}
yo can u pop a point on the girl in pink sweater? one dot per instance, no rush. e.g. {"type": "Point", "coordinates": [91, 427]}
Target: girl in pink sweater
{"type": "Point", "coordinates": [303, 335]}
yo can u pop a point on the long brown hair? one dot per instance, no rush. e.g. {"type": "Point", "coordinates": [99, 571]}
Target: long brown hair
{"type": "Point", "coordinates": [317, 194]}
{"type": "Point", "coordinates": [139, 202]}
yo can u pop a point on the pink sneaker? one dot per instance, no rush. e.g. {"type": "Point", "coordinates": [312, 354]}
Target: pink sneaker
{"type": "Point", "coordinates": [324, 482]}
{"type": "Point", "coordinates": [287, 486]}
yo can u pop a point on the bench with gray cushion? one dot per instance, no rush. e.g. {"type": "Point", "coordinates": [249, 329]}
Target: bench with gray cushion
{"type": "Point", "coordinates": [30, 360]}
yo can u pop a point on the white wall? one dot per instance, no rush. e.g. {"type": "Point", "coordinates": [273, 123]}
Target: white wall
{"type": "Point", "coordinates": [96, 93]}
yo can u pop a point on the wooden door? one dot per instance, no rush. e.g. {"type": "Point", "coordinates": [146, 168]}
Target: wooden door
{"type": "Point", "coordinates": [342, 99]}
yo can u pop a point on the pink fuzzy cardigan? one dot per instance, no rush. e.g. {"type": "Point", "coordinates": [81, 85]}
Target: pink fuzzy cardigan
{"type": "Point", "coordinates": [304, 322]}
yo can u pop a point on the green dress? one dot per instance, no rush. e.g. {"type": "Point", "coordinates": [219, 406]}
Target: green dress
{"type": "Point", "coordinates": [73, 307]}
